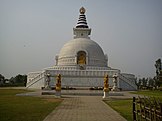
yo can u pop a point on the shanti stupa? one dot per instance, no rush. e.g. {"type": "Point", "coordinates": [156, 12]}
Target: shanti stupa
{"type": "Point", "coordinates": [82, 63]}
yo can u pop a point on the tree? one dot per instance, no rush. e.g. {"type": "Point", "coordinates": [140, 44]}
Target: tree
{"type": "Point", "coordinates": [12, 80]}
{"type": "Point", "coordinates": [151, 83]}
{"type": "Point", "coordinates": [158, 73]}
{"type": "Point", "coordinates": [20, 79]}
{"type": "Point", "coordinates": [138, 83]}
{"type": "Point", "coordinates": [2, 79]}
{"type": "Point", "coordinates": [144, 82]}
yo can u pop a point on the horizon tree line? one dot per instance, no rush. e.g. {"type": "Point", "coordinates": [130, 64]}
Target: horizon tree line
{"type": "Point", "coordinates": [18, 80]}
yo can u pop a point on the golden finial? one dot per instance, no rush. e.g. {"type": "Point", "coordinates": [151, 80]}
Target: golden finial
{"type": "Point", "coordinates": [82, 10]}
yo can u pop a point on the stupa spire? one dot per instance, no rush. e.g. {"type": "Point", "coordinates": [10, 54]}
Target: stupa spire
{"type": "Point", "coordinates": [82, 30]}
{"type": "Point", "coordinates": [82, 23]}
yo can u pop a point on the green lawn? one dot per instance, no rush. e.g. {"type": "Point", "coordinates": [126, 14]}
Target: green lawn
{"type": "Point", "coordinates": [19, 108]}
{"type": "Point", "coordinates": [154, 93]}
{"type": "Point", "coordinates": [124, 107]}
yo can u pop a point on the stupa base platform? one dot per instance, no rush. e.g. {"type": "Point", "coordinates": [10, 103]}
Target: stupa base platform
{"type": "Point", "coordinates": [81, 92]}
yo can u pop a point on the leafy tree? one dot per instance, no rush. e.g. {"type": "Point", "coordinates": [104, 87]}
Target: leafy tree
{"type": "Point", "coordinates": [138, 83]}
{"type": "Point", "coordinates": [20, 79]}
{"type": "Point", "coordinates": [12, 80]}
{"type": "Point", "coordinates": [150, 82]}
{"type": "Point", "coordinates": [2, 79]}
{"type": "Point", "coordinates": [144, 82]}
{"type": "Point", "coordinates": [158, 67]}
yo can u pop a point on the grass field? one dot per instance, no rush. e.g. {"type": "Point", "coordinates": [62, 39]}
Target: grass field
{"type": "Point", "coordinates": [155, 93]}
{"type": "Point", "coordinates": [124, 107]}
{"type": "Point", "coordinates": [19, 108]}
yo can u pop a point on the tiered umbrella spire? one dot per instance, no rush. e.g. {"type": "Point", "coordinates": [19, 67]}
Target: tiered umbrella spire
{"type": "Point", "coordinates": [82, 19]}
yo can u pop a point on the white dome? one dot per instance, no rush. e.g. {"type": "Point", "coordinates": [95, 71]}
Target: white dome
{"type": "Point", "coordinates": [81, 51]}
{"type": "Point", "coordinates": [94, 53]}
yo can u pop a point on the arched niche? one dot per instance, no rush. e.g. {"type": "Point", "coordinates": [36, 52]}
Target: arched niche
{"type": "Point", "coordinates": [81, 58]}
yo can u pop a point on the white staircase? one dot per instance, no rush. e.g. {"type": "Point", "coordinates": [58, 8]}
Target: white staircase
{"type": "Point", "coordinates": [129, 82]}
{"type": "Point", "coordinates": [35, 80]}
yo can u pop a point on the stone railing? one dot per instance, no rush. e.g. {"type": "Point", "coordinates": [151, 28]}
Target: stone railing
{"type": "Point", "coordinates": [81, 73]}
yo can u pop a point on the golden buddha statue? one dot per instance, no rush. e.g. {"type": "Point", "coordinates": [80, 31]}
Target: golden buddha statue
{"type": "Point", "coordinates": [58, 82]}
{"type": "Point", "coordinates": [106, 81]}
{"type": "Point", "coordinates": [81, 58]}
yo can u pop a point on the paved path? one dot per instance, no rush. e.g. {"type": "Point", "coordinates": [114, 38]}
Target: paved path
{"type": "Point", "coordinates": [83, 108]}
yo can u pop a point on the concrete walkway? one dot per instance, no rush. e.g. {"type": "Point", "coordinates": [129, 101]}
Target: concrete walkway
{"type": "Point", "coordinates": [83, 108]}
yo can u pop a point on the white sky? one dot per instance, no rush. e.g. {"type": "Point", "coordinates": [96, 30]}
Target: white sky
{"type": "Point", "coordinates": [32, 32]}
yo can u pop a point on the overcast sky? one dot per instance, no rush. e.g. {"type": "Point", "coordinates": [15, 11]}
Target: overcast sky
{"type": "Point", "coordinates": [32, 32]}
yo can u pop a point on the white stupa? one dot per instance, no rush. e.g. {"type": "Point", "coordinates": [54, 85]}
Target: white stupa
{"type": "Point", "coordinates": [82, 63]}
